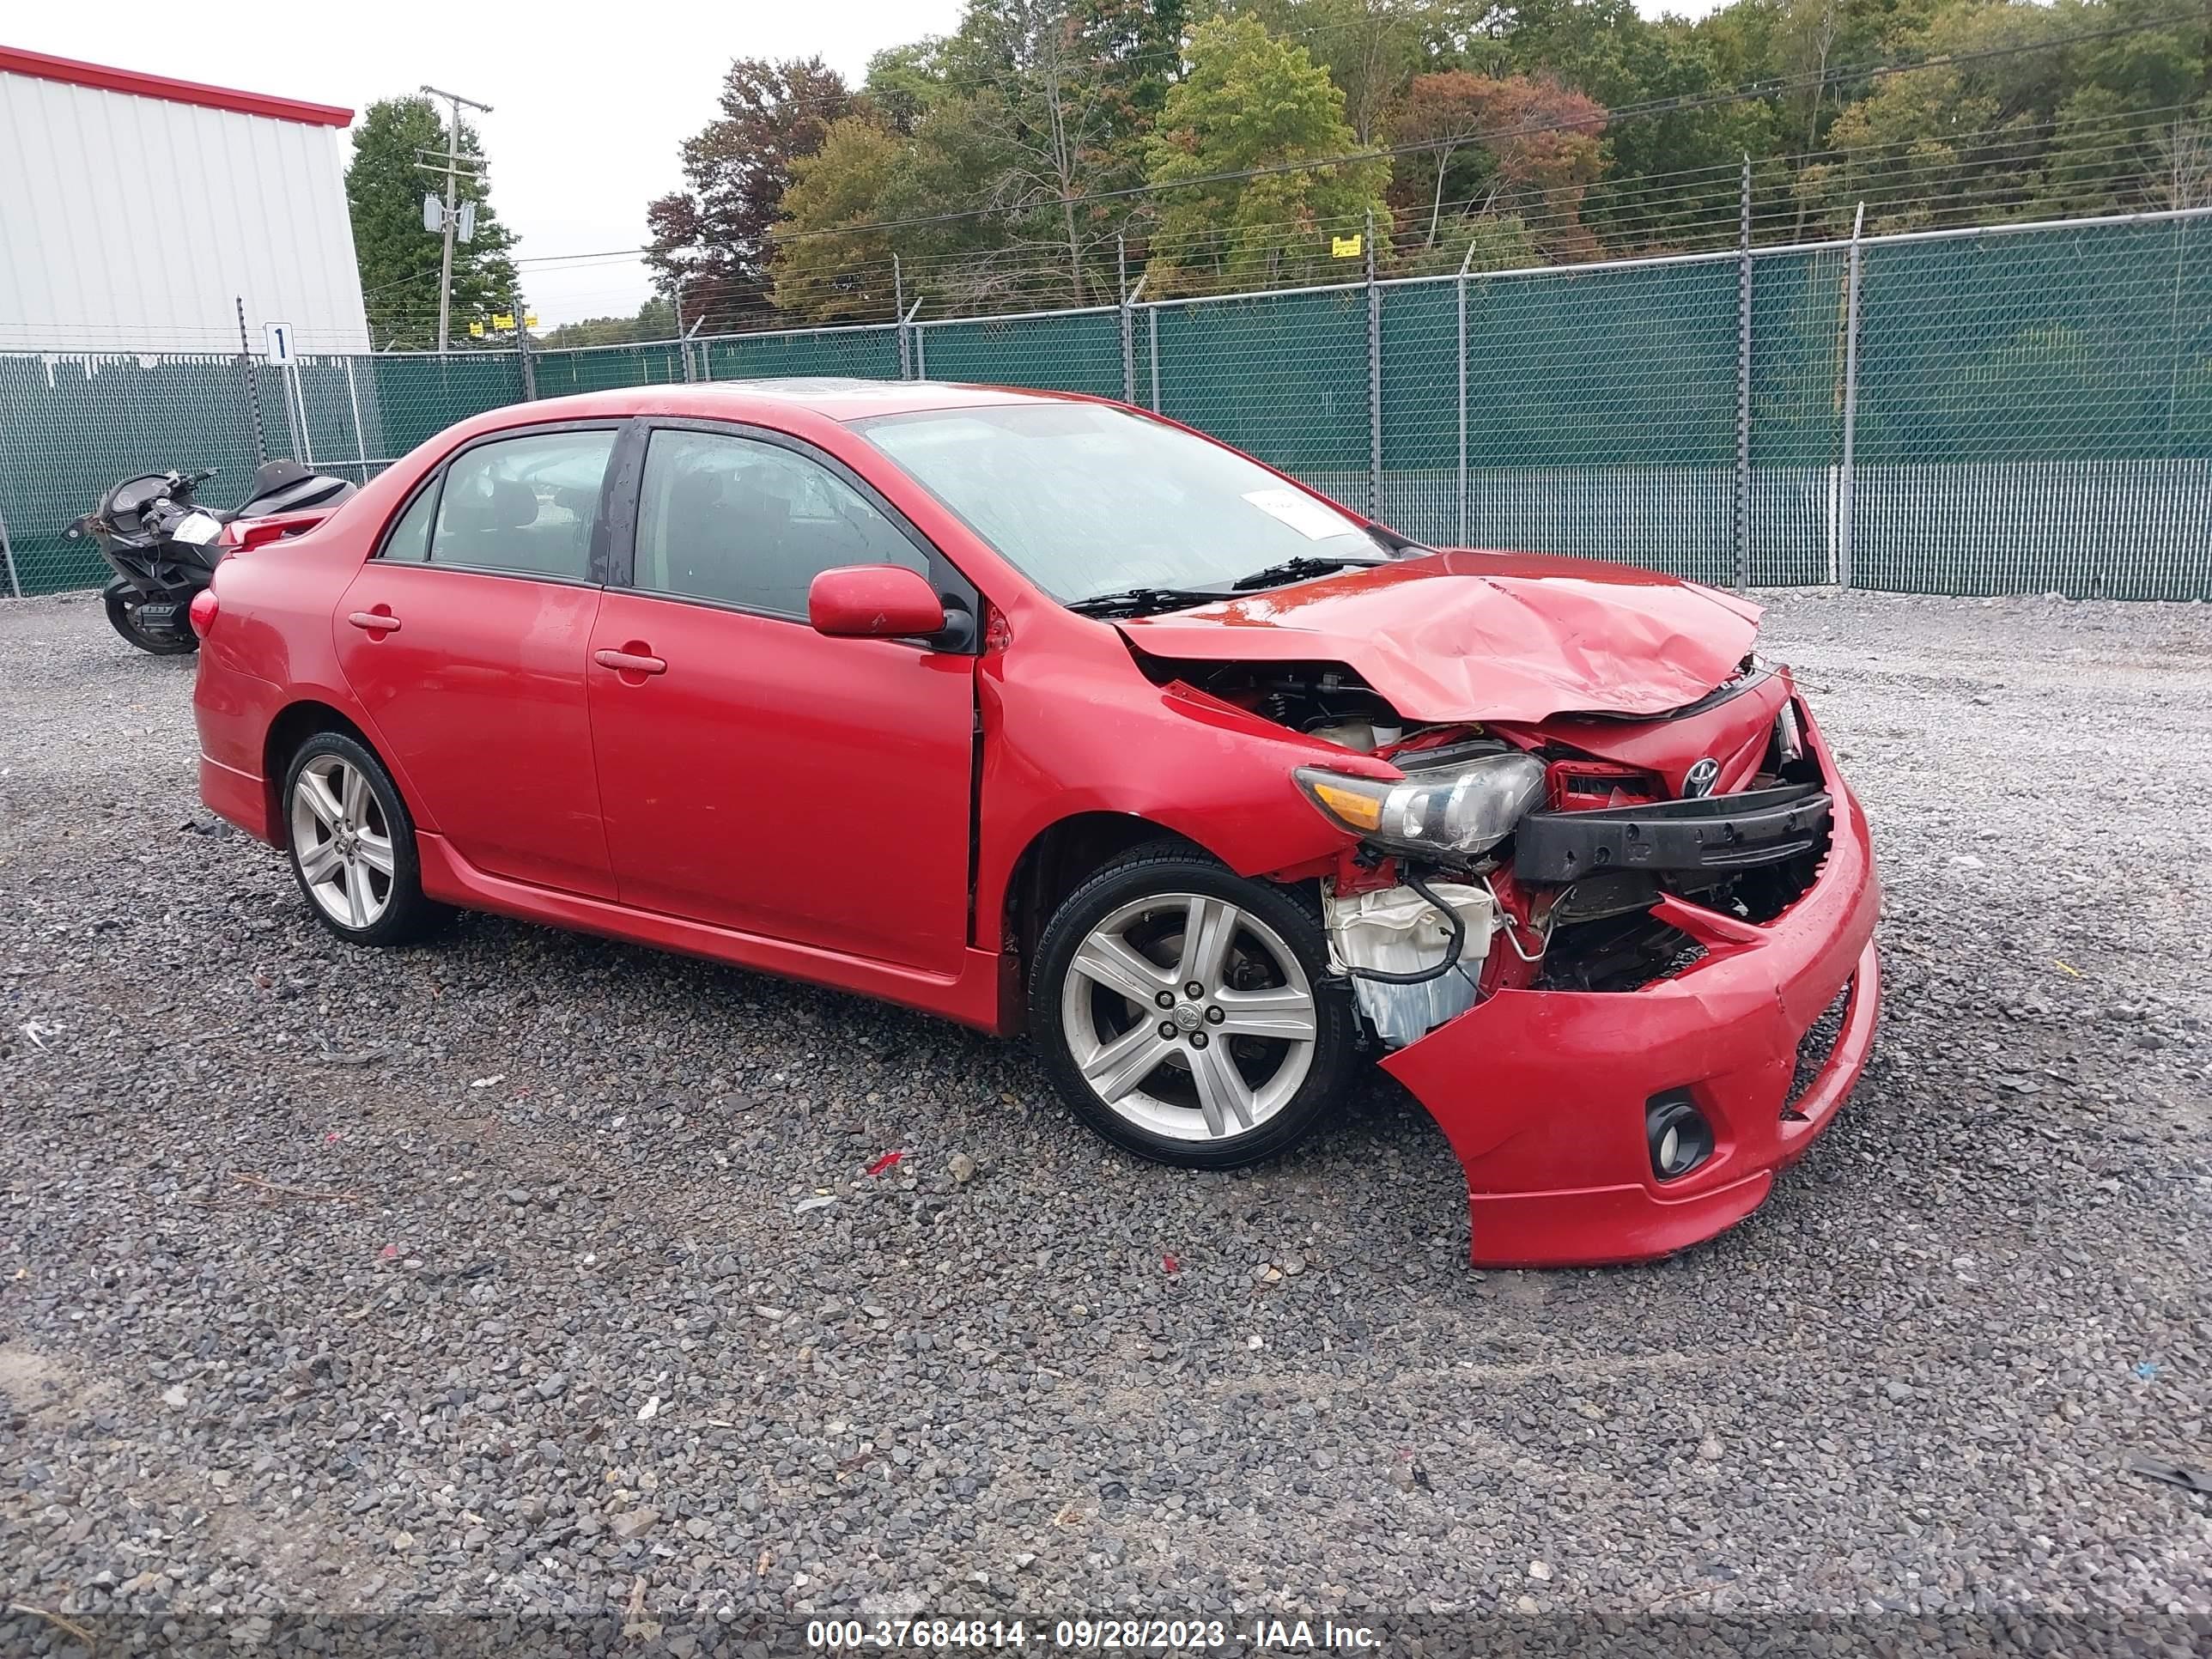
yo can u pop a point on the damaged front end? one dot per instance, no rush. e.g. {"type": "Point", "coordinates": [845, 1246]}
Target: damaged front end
{"type": "Point", "coordinates": [1558, 841]}
{"type": "Point", "coordinates": [1594, 945]}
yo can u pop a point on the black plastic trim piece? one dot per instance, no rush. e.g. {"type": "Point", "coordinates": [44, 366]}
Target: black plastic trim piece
{"type": "Point", "coordinates": [1713, 833]}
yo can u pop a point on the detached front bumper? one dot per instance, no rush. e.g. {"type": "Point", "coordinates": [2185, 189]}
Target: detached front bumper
{"type": "Point", "coordinates": [1543, 1094]}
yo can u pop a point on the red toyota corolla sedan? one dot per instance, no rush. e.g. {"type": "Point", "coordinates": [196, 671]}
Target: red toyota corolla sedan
{"type": "Point", "coordinates": [1037, 711]}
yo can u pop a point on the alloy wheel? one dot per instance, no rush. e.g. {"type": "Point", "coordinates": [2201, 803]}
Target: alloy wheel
{"type": "Point", "coordinates": [342, 842]}
{"type": "Point", "coordinates": [1190, 1017]}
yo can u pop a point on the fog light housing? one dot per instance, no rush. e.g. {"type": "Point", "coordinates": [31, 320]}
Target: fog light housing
{"type": "Point", "coordinates": [1679, 1138]}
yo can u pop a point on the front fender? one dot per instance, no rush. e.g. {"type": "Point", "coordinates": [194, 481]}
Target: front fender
{"type": "Point", "coordinates": [1067, 732]}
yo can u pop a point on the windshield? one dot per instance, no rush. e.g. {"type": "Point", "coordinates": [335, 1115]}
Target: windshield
{"type": "Point", "coordinates": [1085, 499]}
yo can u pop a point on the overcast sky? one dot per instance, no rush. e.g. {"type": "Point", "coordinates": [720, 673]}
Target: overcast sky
{"type": "Point", "coordinates": [590, 103]}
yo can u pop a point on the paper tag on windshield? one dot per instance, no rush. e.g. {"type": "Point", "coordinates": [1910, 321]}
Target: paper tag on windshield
{"type": "Point", "coordinates": [1302, 512]}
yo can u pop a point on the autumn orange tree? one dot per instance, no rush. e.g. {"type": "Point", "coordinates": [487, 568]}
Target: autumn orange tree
{"type": "Point", "coordinates": [1500, 144]}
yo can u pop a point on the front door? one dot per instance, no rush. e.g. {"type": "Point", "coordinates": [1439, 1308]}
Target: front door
{"type": "Point", "coordinates": [755, 775]}
{"type": "Point", "coordinates": [465, 638]}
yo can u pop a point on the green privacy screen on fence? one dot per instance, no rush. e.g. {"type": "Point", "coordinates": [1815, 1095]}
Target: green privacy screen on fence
{"type": "Point", "coordinates": [2029, 409]}
{"type": "Point", "coordinates": [2035, 413]}
{"type": "Point", "coordinates": [1072, 351]}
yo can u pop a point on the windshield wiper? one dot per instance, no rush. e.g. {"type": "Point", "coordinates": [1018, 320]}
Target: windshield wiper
{"type": "Point", "coordinates": [1291, 570]}
{"type": "Point", "coordinates": [1133, 601]}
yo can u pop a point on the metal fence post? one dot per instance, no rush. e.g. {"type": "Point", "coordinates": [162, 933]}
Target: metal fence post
{"type": "Point", "coordinates": [522, 349]}
{"type": "Point", "coordinates": [910, 343]}
{"type": "Point", "coordinates": [8, 557]}
{"type": "Point", "coordinates": [1374, 379]}
{"type": "Point", "coordinates": [1845, 571]}
{"type": "Point", "coordinates": [920, 356]}
{"type": "Point", "coordinates": [296, 399]}
{"type": "Point", "coordinates": [1129, 320]}
{"type": "Point", "coordinates": [1129, 341]}
{"type": "Point", "coordinates": [252, 386]}
{"type": "Point", "coordinates": [1742, 515]}
{"type": "Point", "coordinates": [898, 311]}
{"type": "Point", "coordinates": [1152, 318]}
{"type": "Point", "coordinates": [360, 437]}
{"type": "Point", "coordinates": [1460, 539]}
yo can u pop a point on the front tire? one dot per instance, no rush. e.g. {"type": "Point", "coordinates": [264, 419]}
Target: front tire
{"type": "Point", "coordinates": [352, 844]}
{"type": "Point", "coordinates": [1184, 1013]}
{"type": "Point", "coordinates": [122, 601]}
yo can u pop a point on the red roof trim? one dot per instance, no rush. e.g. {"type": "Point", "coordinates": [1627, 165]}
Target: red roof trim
{"type": "Point", "coordinates": [15, 61]}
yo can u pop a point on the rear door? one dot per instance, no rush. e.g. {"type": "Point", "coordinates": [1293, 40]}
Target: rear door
{"type": "Point", "coordinates": [755, 775]}
{"type": "Point", "coordinates": [465, 639]}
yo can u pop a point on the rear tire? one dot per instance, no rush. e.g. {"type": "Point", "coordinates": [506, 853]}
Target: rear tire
{"type": "Point", "coordinates": [352, 845]}
{"type": "Point", "coordinates": [1183, 1011]}
{"type": "Point", "coordinates": [122, 601]}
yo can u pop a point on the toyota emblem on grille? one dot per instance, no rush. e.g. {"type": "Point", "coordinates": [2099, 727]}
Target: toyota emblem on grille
{"type": "Point", "coordinates": [1700, 778]}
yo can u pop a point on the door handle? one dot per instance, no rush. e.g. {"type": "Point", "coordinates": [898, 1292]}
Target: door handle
{"type": "Point", "coordinates": [629, 662]}
{"type": "Point", "coordinates": [376, 622]}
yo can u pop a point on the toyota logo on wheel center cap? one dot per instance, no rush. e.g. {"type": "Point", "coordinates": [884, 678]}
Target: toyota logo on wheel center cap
{"type": "Point", "coordinates": [1187, 1017]}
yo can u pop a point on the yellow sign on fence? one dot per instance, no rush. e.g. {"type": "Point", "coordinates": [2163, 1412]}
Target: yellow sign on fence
{"type": "Point", "coordinates": [1348, 247]}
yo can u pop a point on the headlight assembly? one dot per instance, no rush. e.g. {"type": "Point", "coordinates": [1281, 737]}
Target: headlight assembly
{"type": "Point", "coordinates": [1463, 811]}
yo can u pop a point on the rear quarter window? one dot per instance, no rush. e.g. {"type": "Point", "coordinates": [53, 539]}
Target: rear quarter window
{"type": "Point", "coordinates": [410, 540]}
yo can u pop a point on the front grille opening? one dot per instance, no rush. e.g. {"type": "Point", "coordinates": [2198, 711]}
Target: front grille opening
{"type": "Point", "coordinates": [1814, 1047]}
{"type": "Point", "coordinates": [1766, 892]}
{"type": "Point", "coordinates": [1617, 953]}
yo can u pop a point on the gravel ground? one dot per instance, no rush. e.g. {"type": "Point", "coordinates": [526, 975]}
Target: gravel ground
{"type": "Point", "coordinates": [490, 1278]}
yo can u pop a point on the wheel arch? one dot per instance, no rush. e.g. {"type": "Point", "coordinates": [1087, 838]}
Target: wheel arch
{"type": "Point", "coordinates": [1056, 860]}
{"type": "Point", "coordinates": [294, 725]}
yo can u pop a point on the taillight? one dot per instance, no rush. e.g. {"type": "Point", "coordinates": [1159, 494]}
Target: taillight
{"type": "Point", "coordinates": [269, 530]}
{"type": "Point", "coordinates": [204, 606]}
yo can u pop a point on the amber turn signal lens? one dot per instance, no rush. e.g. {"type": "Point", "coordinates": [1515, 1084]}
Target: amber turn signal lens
{"type": "Point", "coordinates": [1360, 812]}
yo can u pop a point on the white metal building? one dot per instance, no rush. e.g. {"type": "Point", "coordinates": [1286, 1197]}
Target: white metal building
{"type": "Point", "coordinates": [137, 211]}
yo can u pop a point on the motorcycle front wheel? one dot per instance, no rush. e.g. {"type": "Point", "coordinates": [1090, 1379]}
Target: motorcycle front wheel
{"type": "Point", "coordinates": [122, 601]}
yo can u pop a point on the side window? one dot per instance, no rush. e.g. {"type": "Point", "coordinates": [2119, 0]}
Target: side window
{"type": "Point", "coordinates": [523, 504]}
{"type": "Point", "coordinates": [750, 523]}
{"type": "Point", "coordinates": [410, 540]}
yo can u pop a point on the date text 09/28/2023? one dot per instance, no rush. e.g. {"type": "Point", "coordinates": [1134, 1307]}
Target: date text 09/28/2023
{"type": "Point", "coordinates": [1090, 1635]}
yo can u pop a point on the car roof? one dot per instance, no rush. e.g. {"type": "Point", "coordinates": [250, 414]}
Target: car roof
{"type": "Point", "coordinates": [830, 397]}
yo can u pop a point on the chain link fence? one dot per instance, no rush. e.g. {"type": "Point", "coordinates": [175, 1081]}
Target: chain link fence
{"type": "Point", "coordinates": [2008, 410]}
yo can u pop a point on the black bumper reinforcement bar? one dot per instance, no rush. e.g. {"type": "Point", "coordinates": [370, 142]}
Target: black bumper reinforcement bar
{"type": "Point", "coordinates": [1713, 833]}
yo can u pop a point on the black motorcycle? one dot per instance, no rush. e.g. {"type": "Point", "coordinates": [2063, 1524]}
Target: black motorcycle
{"type": "Point", "coordinates": [164, 546]}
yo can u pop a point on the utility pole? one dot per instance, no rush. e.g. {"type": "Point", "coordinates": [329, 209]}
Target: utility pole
{"type": "Point", "coordinates": [454, 161]}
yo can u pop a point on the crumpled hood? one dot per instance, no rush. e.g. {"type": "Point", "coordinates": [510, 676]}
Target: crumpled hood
{"type": "Point", "coordinates": [1483, 635]}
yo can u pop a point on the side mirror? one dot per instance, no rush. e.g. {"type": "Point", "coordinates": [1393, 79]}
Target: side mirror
{"type": "Point", "coordinates": [874, 601]}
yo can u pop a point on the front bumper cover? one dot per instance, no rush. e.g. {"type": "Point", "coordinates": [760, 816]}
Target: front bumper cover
{"type": "Point", "coordinates": [1542, 1093]}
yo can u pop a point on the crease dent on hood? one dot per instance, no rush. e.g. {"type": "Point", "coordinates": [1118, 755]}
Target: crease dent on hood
{"type": "Point", "coordinates": [1462, 636]}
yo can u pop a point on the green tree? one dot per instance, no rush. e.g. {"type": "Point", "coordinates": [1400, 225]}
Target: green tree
{"type": "Point", "coordinates": [1604, 49]}
{"type": "Point", "coordinates": [825, 270]}
{"type": "Point", "coordinates": [1371, 48]}
{"type": "Point", "coordinates": [1055, 94]}
{"type": "Point", "coordinates": [399, 259]}
{"type": "Point", "coordinates": [1250, 102]}
{"type": "Point", "coordinates": [905, 83]}
{"type": "Point", "coordinates": [713, 236]}
{"type": "Point", "coordinates": [655, 320]}
{"type": "Point", "coordinates": [1966, 140]}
